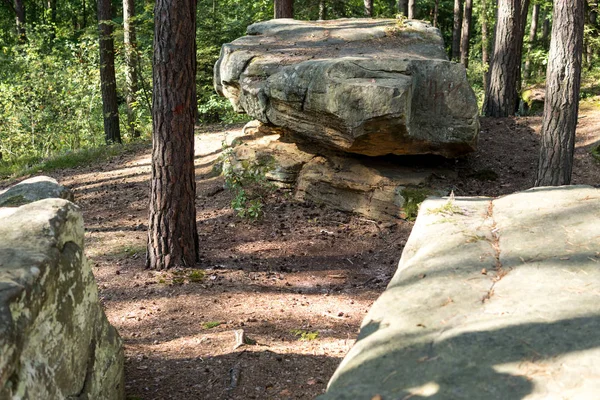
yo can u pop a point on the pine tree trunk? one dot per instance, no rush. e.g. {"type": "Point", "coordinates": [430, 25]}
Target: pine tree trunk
{"type": "Point", "coordinates": [322, 10]}
{"type": "Point", "coordinates": [562, 94]}
{"type": "Point", "coordinates": [535, 16]}
{"type": "Point", "coordinates": [20, 19]}
{"type": "Point", "coordinates": [403, 7]}
{"type": "Point", "coordinates": [172, 230]}
{"type": "Point", "coordinates": [368, 8]}
{"type": "Point", "coordinates": [456, 31]}
{"type": "Point", "coordinates": [284, 8]}
{"type": "Point", "coordinates": [501, 95]}
{"type": "Point", "coordinates": [436, 8]}
{"type": "Point", "coordinates": [411, 9]}
{"type": "Point", "coordinates": [546, 31]}
{"type": "Point", "coordinates": [519, 55]}
{"type": "Point", "coordinates": [130, 47]}
{"type": "Point", "coordinates": [466, 33]}
{"type": "Point", "coordinates": [485, 54]}
{"type": "Point", "coordinates": [112, 132]}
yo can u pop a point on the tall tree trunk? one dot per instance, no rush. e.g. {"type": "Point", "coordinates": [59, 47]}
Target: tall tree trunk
{"type": "Point", "coordinates": [456, 30]}
{"type": "Point", "coordinates": [501, 96]}
{"type": "Point", "coordinates": [131, 73]}
{"type": "Point", "coordinates": [485, 54]}
{"type": "Point", "coordinates": [403, 7]}
{"type": "Point", "coordinates": [172, 230]}
{"type": "Point", "coordinates": [466, 33]}
{"type": "Point", "coordinates": [436, 9]}
{"type": "Point", "coordinates": [546, 31]}
{"type": "Point", "coordinates": [368, 8]}
{"type": "Point", "coordinates": [112, 132]}
{"type": "Point", "coordinates": [592, 20]}
{"type": "Point", "coordinates": [562, 94]}
{"type": "Point", "coordinates": [411, 9]}
{"type": "Point", "coordinates": [519, 55]}
{"type": "Point", "coordinates": [284, 8]}
{"type": "Point", "coordinates": [84, 12]}
{"type": "Point", "coordinates": [322, 10]}
{"type": "Point", "coordinates": [535, 16]}
{"type": "Point", "coordinates": [19, 6]}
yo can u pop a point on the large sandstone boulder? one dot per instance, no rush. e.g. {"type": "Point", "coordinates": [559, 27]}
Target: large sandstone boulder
{"type": "Point", "coordinates": [493, 299]}
{"type": "Point", "coordinates": [55, 340]}
{"type": "Point", "coordinates": [371, 87]}
{"type": "Point", "coordinates": [33, 189]}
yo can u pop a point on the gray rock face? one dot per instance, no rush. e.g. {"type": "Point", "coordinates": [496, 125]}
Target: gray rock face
{"type": "Point", "coordinates": [493, 299]}
{"type": "Point", "coordinates": [55, 340]}
{"type": "Point", "coordinates": [371, 87]}
{"type": "Point", "coordinates": [34, 189]}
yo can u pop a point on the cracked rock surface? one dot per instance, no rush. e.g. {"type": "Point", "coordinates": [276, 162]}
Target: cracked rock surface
{"type": "Point", "coordinates": [493, 298]}
{"type": "Point", "coordinates": [364, 86]}
{"type": "Point", "coordinates": [55, 340]}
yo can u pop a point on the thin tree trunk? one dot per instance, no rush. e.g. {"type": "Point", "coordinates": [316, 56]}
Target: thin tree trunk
{"type": "Point", "coordinates": [84, 11]}
{"type": "Point", "coordinates": [368, 8]}
{"type": "Point", "coordinates": [411, 9]}
{"type": "Point", "coordinates": [130, 47]}
{"type": "Point", "coordinates": [485, 54]}
{"type": "Point", "coordinates": [284, 8]}
{"type": "Point", "coordinates": [519, 55]}
{"type": "Point", "coordinates": [562, 94]}
{"type": "Point", "coordinates": [403, 7]}
{"type": "Point", "coordinates": [322, 10]}
{"type": "Point", "coordinates": [112, 133]}
{"type": "Point", "coordinates": [546, 31]}
{"type": "Point", "coordinates": [172, 230]}
{"type": "Point", "coordinates": [592, 19]}
{"type": "Point", "coordinates": [535, 16]}
{"type": "Point", "coordinates": [456, 30]}
{"type": "Point", "coordinates": [466, 33]}
{"type": "Point", "coordinates": [501, 96]}
{"type": "Point", "coordinates": [20, 19]}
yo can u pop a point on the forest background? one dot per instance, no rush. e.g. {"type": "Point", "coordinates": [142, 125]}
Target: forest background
{"type": "Point", "coordinates": [50, 91]}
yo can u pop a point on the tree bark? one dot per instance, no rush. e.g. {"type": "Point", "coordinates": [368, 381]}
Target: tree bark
{"type": "Point", "coordinates": [546, 31]}
{"type": "Point", "coordinates": [172, 230]}
{"type": "Point", "coordinates": [501, 95]}
{"type": "Point", "coordinates": [535, 16]}
{"type": "Point", "coordinates": [19, 7]}
{"type": "Point", "coordinates": [322, 10]}
{"type": "Point", "coordinates": [456, 30]}
{"type": "Point", "coordinates": [112, 132]}
{"type": "Point", "coordinates": [368, 8]}
{"type": "Point", "coordinates": [284, 8]}
{"type": "Point", "coordinates": [485, 54]}
{"type": "Point", "coordinates": [411, 9]}
{"type": "Point", "coordinates": [466, 33]}
{"type": "Point", "coordinates": [519, 55]}
{"type": "Point", "coordinates": [561, 106]}
{"type": "Point", "coordinates": [403, 7]}
{"type": "Point", "coordinates": [131, 72]}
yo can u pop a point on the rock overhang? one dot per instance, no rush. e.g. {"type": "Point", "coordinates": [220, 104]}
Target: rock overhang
{"type": "Point", "coordinates": [371, 87]}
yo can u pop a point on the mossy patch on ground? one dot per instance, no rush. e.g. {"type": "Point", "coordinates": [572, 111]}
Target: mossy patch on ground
{"type": "Point", "coordinates": [413, 197]}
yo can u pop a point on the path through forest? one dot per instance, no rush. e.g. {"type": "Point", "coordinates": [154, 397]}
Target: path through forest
{"type": "Point", "coordinates": [297, 282]}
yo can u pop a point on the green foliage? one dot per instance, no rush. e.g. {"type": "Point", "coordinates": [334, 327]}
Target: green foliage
{"type": "Point", "coordinates": [596, 152]}
{"type": "Point", "coordinates": [218, 109]}
{"type": "Point", "coordinates": [305, 335]}
{"type": "Point", "coordinates": [413, 197]}
{"type": "Point", "coordinates": [248, 182]}
{"type": "Point", "coordinates": [211, 324]}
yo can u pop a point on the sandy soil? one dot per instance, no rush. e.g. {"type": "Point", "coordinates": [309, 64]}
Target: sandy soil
{"type": "Point", "coordinates": [297, 282]}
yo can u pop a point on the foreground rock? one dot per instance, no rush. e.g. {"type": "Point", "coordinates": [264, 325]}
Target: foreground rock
{"type": "Point", "coordinates": [493, 299]}
{"type": "Point", "coordinates": [379, 189]}
{"type": "Point", "coordinates": [371, 87]}
{"type": "Point", "coordinates": [34, 189]}
{"type": "Point", "coordinates": [55, 341]}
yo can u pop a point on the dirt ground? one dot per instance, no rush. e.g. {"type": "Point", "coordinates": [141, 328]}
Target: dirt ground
{"type": "Point", "coordinates": [297, 282]}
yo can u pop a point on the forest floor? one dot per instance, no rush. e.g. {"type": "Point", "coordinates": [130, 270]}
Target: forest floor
{"type": "Point", "coordinates": [298, 282]}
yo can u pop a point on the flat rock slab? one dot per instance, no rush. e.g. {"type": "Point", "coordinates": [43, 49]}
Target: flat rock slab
{"type": "Point", "coordinates": [372, 87]}
{"type": "Point", "coordinates": [493, 299]}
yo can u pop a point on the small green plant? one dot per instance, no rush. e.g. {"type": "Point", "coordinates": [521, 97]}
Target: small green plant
{"type": "Point", "coordinates": [196, 276]}
{"type": "Point", "coordinates": [305, 335]}
{"type": "Point", "coordinates": [449, 208]}
{"type": "Point", "coordinates": [596, 152]}
{"type": "Point", "coordinates": [247, 181]}
{"type": "Point", "coordinates": [413, 197]}
{"type": "Point", "coordinates": [211, 324]}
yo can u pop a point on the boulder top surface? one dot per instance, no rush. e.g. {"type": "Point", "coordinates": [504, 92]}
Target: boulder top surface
{"type": "Point", "coordinates": [299, 40]}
